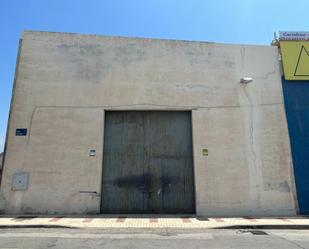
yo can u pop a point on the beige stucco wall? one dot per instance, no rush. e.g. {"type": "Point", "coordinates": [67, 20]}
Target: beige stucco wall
{"type": "Point", "coordinates": [65, 82]}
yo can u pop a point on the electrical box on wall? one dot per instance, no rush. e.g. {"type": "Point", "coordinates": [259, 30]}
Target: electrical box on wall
{"type": "Point", "coordinates": [20, 181]}
{"type": "Point", "coordinates": [92, 152]}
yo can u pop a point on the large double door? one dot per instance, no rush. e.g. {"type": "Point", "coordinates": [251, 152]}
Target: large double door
{"type": "Point", "coordinates": [147, 162]}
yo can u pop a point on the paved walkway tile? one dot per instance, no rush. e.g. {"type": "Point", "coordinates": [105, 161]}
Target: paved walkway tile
{"type": "Point", "coordinates": [57, 218]}
{"type": "Point", "coordinates": [251, 219]}
{"type": "Point", "coordinates": [149, 221]}
{"type": "Point", "coordinates": [87, 220]}
{"type": "Point", "coordinates": [121, 219]}
{"type": "Point", "coordinates": [284, 219]}
{"type": "Point", "coordinates": [186, 219]}
{"type": "Point", "coordinates": [219, 220]}
{"type": "Point", "coordinates": [153, 220]}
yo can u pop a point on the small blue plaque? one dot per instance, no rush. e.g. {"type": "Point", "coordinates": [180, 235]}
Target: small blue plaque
{"type": "Point", "coordinates": [21, 132]}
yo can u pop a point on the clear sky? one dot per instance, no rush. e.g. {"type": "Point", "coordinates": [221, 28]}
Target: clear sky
{"type": "Point", "coordinates": [227, 21]}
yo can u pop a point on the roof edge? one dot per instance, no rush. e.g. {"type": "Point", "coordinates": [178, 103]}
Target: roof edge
{"type": "Point", "coordinates": [25, 32]}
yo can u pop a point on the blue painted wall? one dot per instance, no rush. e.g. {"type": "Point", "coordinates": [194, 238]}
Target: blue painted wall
{"type": "Point", "coordinates": [296, 97]}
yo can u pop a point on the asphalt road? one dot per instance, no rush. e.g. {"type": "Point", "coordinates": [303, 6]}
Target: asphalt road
{"type": "Point", "coordinates": [28, 238]}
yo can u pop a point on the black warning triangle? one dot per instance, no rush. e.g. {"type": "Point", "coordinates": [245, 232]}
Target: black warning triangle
{"type": "Point", "coordinates": [302, 66]}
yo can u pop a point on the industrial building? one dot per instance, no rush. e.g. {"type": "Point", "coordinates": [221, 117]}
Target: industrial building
{"type": "Point", "coordinates": [104, 124]}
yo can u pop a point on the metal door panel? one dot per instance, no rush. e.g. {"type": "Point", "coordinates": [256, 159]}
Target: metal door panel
{"type": "Point", "coordinates": [147, 165]}
{"type": "Point", "coordinates": [170, 143]}
{"type": "Point", "coordinates": [123, 163]}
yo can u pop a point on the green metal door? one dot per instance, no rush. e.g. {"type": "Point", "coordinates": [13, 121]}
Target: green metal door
{"type": "Point", "coordinates": [147, 163]}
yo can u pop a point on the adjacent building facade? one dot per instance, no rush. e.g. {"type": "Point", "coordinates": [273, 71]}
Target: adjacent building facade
{"type": "Point", "coordinates": [1, 159]}
{"type": "Point", "coordinates": [127, 125]}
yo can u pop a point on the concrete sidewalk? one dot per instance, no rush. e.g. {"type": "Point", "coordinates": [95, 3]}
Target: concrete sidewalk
{"type": "Point", "coordinates": [150, 221]}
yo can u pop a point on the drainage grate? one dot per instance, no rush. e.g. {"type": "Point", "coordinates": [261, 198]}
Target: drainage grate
{"type": "Point", "coordinates": [258, 232]}
{"type": "Point", "coordinates": [254, 232]}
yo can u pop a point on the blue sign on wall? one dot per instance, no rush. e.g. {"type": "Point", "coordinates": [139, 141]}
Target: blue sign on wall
{"type": "Point", "coordinates": [21, 132]}
{"type": "Point", "coordinates": [296, 98]}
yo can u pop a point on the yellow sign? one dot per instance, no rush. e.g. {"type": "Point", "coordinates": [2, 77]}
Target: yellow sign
{"type": "Point", "coordinates": [295, 57]}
